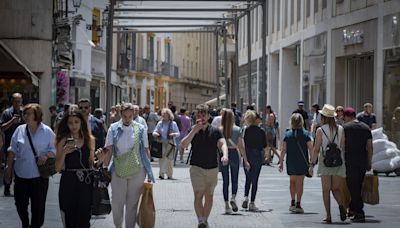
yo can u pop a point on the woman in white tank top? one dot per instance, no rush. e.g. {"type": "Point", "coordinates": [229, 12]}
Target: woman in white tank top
{"type": "Point", "coordinates": [331, 177]}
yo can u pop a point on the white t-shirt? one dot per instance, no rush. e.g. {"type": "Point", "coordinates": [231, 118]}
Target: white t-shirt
{"type": "Point", "coordinates": [125, 142]}
{"type": "Point", "coordinates": [216, 121]}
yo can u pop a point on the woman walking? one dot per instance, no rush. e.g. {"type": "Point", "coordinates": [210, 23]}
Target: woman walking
{"type": "Point", "coordinates": [167, 130]}
{"type": "Point", "coordinates": [272, 134]}
{"type": "Point", "coordinates": [231, 133]}
{"type": "Point", "coordinates": [255, 142]}
{"type": "Point", "coordinates": [75, 156]}
{"type": "Point", "coordinates": [331, 177]}
{"type": "Point", "coordinates": [125, 141]}
{"type": "Point", "coordinates": [296, 144]}
{"type": "Point", "coordinates": [29, 185]}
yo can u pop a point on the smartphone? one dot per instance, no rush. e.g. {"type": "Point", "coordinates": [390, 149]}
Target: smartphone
{"type": "Point", "coordinates": [70, 140]}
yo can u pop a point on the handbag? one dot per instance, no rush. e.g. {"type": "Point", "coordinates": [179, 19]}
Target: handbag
{"type": "Point", "coordinates": [304, 157]}
{"type": "Point", "coordinates": [156, 148]}
{"type": "Point", "coordinates": [49, 167]}
{"type": "Point", "coordinates": [128, 164]}
{"type": "Point", "coordinates": [370, 189]}
{"type": "Point", "coordinates": [146, 216]}
{"type": "Point", "coordinates": [101, 204]}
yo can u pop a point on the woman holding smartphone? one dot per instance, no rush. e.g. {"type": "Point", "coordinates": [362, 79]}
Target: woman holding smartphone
{"type": "Point", "coordinates": [75, 156]}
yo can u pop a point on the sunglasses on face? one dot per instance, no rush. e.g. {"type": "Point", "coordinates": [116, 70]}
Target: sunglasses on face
{"type": "Point", "coordinates": [84, 107]}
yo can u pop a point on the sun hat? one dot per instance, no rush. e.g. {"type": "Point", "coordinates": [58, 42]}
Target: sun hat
{"type": "Point", "coordinates": [328, 111]}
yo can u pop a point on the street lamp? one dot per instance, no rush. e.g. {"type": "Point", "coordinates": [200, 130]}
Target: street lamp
{"type": "Point", "coordinates": [105, 17]}
{"type": "Point", "coordinates": [99, 32]}
{"type": "Point", "coordinates": [76, 4]}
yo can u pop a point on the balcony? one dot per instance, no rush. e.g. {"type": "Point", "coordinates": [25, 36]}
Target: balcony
{"type": "Point", "coordinates": [169, 70]}
{"type": "Point", "coordinates": [143, 65]}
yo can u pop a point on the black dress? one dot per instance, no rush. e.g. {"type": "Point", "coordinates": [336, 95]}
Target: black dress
{"type": "Point", "coordinates": [75, 193]}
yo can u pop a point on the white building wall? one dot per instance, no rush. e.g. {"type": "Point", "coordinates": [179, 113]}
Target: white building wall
{"type": "Point", "coordinates": [333, 16]}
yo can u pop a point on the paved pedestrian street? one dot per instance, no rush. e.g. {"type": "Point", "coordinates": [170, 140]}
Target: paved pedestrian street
{"type": "Point", "coordinates": [174, 204]}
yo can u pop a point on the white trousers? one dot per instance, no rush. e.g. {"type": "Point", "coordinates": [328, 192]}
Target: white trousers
{"type": "Point", "coordinates": [166, 163]}
{"type": "Point", "coordinates": [126, 192]}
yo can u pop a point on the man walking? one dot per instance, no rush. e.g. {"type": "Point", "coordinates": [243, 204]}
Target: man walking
{"type": "Point", "coordinates": [151, 120]}
{"type": "Point", "coordinates": [358, 156]}
{"type": "Point", "coordinates": [205, 141]}
{"type": "Point", "coordinates": [95, 125]}
{"type": "Point", "coordinates": [367, 116]}
{"type": "Point", "coordinates": [303, 113]}
{"type": "Point", "coordinates": [9, 121]}
{"type": "Point", "coordinates": [140, 120]}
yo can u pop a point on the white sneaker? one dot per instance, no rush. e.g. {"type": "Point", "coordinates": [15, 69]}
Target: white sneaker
{"type": "Point", "coordinates": [292, 208]}
{"type": "Point", "coordinates": [228, 211]}
{"type": "Point", "coordinates": [298, 210]}
{"type": "Point", "coordinates": [252, 207]}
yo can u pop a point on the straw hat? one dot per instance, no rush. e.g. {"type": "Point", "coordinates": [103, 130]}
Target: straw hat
{"type": "Point", "coordinates": [328, 111]}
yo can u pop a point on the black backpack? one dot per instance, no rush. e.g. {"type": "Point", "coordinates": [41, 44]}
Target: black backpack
{"type": "Point", "coordinates": [333, 157]}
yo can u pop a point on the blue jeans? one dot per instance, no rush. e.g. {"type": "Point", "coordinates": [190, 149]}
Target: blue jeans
{"type": "Point", "coordinates": [255, 158]}
{"type": "Point", "coordinates": [233, 157]}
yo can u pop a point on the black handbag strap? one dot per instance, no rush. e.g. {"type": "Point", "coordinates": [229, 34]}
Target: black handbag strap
{"type": "Point", "coordinates": [301, 149]}
{"type": "Point", "coordinates": [30, 142]}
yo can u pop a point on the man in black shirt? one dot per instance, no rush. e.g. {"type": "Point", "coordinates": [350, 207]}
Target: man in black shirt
{"type": "Point", "coordinates": [205, 141]}
{"type": "Point", "coordinates": [9, 121]}
{"type": "Point", "coordinates": [303, 113]}
{"type": "Point", "coordinates": [358, 156]}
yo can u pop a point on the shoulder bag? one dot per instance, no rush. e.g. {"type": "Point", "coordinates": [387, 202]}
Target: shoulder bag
{"type": "Point", "coordinates": [304, 157]}
{"type": "Point", "coordinates": [128, 164]}
{"type": "Point", "coordinates": [49, 167]}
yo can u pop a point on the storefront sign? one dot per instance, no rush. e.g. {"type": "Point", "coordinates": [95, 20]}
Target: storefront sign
{"type": "Point", "coordinates": [351, 37]}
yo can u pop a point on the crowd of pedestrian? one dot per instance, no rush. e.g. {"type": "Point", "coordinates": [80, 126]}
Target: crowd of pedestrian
{"type": "Point", "coordinates": [79, 139]}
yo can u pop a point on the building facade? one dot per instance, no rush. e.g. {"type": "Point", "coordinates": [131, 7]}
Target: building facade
{"type": "Point", "coordinates": [194, 54]}
{"type": "Point", "coordinates": [339, 52]}
{"type": "Point", "coordinates": [26, 51]}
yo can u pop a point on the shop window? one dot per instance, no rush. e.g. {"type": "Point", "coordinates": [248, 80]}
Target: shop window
{"type": "Point", "coordinates": [314, 70]}
{"type": "Point", "coordinates": [391, 95]}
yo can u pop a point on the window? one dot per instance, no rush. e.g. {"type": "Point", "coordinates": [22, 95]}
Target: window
{"type": "Point", "coordinates": [278, 17]}
{"type": "Point", "coordinates": [324, 4]}
{"type": "Point", "coordinates": [285, 14]}
{"type": "Point", "coordinates": [292, 12]}
{"type": "Point", "coordinates": [257, 21]}
{"type": "Point", "coordinates": [133, 55]}
{"type": "Point", "coordinates": [298, 10]}
{"type": "Point", "coordinates": [95, 25]}
{"type": "Point", "coordinates": [307, 8]}
{"type": "Point", "coordinates": [273, 16]}
{"type": "Point", "coordinates": [252, 26]}
{"type": "Point", "coordinates": [316, 6]}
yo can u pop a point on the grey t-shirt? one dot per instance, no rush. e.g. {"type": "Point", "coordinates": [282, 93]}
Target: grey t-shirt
{"type": "Point", "coordinates": [234, 137]}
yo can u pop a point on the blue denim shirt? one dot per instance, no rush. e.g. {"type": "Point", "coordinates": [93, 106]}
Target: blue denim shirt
{"type": "Point", "coordinates": [116, 129]}
{"type": "Point", "coordinates": [43, 140]}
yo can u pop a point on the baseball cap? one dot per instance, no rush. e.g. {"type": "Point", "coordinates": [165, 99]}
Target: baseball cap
{"type": "Point", "coordinates": [300, 103]}
{"type": "Point", "coordinates": [349, 111]}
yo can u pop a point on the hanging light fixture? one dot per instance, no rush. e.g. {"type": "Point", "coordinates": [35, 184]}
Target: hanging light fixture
{"type": "Point", "coordinates": [99, 32]}
{"type": "Point", "coordinates": [76, 4]}
{"type": "Point", "coordinates": [105, 17]}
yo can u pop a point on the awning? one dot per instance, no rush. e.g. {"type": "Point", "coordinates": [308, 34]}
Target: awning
{"type": "Point", "coordinates": [10, 54]}
{"type": "Point", "coordinates": [214, 100]}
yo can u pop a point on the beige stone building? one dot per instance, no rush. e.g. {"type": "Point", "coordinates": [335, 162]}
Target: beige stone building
{"type": "Point", "coordinates": [194, 54]}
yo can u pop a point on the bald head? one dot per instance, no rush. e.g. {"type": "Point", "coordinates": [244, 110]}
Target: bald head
{"type": "Point", "coordinates": [16, 100]}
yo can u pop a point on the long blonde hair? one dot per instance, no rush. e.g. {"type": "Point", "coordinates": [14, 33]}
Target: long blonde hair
{"type": "Point", "coordinates": [331, 123]}
{"type": "Point", "coordinates": [227, 122]}
{"type": "Point", "coordinates": [250, 118]}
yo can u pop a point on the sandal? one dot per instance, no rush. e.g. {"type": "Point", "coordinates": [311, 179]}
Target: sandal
{"type": "Point", "coordinates": [327, 220]}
